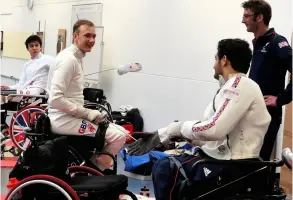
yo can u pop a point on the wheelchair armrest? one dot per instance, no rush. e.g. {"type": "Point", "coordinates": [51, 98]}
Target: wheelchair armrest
{"type": "Point", "coordinates": [274, 164]}
{"type": "Point", "coordinates": [8, 92]}
{"type": "Point", "coordinates": [28, 95]}
{"type": "Point", "coordinates": [87, 103]}
{"type": "Point", "coordinates": [29, 133]}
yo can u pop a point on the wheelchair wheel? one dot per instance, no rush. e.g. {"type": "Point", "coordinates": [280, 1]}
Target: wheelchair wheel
{"type": "Point", "coordinates": [44, 180]}
{"type": "Point", "coordinates": [74, 158]}
{"type": "Point", "coordinates": [19, 122]}
{"type": "Point", "coordinates": [87, 171]}
{"type": "Point", "coordinates": [127, 194]}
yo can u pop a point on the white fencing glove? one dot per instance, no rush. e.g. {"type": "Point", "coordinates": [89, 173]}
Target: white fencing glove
{"type": "Point", "coordinates": [132, 67]}
{"type": "Point", "coordinates": [173, 133]}
{"type": "Point", "coordinates": [97, 116]}
{"type": "Point", "coordinates": [197, 143]}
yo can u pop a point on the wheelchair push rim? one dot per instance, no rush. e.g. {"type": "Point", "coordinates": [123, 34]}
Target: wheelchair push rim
{"type": "Point", "coordinates": [19, 121]}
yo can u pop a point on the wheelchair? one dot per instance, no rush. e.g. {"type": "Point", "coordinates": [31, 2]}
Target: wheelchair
{"type": "Point", "coordinates": [247, 179]}
{"type": "Point", "coordinates": [18, 110]}
{"type": "Point", "coordinates": [81, 148]}
{"type": "Point", "coordinates": [42, 173]}
{"type": "Point", "coordinates": [37, 104]}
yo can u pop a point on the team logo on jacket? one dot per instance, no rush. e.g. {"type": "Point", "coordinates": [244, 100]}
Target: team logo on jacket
{"type": "Point", "coordinates": [264, 49]}
{"type": "Point", "coordinates": [231, 93]}
{"type": "Point", "coordinates": [91, 128]}
{"type": "Point", "coordinates": [221, 149]}
{"type": "Point", "coordinates": [82, 127]}
{"type": "Point", "coordinates": [283, 44]}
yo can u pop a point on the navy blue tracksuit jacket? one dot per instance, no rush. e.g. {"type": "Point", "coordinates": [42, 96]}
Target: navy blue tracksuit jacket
{"type": "Point", "coordinates": [272, 58]}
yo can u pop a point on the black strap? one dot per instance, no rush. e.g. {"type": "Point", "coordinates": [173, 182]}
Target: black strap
{"type": "Point", "coordinates": [214, 107]}
{"type": "Point", "coordinates": [43, 125]}
{"type": "Point", "coordinates": [100, 136]}
{"type": "Point", "coordinates": [174, 162]}
{"type": "Point", "coordinates": [178, 165]}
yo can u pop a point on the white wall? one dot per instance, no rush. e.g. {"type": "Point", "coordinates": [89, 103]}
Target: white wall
{"type": "Point", "coordinates": [51, 14]}
{"type": "Point", "coordinates": [175, 40]}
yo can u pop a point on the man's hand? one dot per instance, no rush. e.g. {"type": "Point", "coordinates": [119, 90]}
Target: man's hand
{"type": "Point", "coordinates": [102, 117]}
{"type": "Point", "coordinates": [4, 87]}
{"type": "Point", "coordinates": [173, 132]}
{"type": "Point", "coordinates": [270, 100]}
{"type": "Point", "coordinates": [96, 116]}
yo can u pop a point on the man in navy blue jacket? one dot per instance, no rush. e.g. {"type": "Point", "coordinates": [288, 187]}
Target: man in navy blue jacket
{"type": "Point", "coordinates": [272, 58]}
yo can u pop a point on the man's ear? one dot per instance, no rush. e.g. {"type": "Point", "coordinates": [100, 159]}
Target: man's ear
{"type": "Point", "coordinates": [259, 18]}
{"type": "Point", "coordinates": [224, 61]}
{"type": "Point", "coordinates": [75, 35]}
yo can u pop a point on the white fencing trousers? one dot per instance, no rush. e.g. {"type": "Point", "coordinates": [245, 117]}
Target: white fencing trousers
{"type": "Point", "coordinates": [114, 138]}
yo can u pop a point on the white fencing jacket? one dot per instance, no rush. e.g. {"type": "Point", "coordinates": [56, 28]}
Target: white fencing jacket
{"type": "Point", "coordinates": [33, 79]}
{"type": "Point", "coordinates": [66, 84]}
{"type": "Point", "coordinates": [237, 128]}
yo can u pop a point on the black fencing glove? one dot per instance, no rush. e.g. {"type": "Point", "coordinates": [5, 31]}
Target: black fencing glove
{"type": "Point", "coordinates": [150, 142]}
{"type": "Point", "coordinates": [145, 144]}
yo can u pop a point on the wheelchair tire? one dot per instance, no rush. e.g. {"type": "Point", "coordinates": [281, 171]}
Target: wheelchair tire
{"type": "Point", "coordinates": [56, 183]}
{"type": "Point", "coordinates": [130, 194]}
{"type": "Point", "coordinates": [21, 117]}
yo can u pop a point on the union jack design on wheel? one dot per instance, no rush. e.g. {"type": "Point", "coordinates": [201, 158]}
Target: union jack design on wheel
{"type": "Point", "coordinates": [20, 121]}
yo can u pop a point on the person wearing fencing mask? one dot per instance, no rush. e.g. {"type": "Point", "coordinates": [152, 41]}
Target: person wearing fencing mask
{"type": "Point", "coordinates": [66, 101]}
{"type": "Point", "coordinates": [233, 128]}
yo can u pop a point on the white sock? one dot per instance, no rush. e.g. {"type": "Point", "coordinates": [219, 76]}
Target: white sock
{"type": "Point", "coordinates": [132, 67]}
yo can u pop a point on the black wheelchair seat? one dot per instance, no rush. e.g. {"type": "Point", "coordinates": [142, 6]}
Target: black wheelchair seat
{"type": "Point", "coordinates": [101, 185]}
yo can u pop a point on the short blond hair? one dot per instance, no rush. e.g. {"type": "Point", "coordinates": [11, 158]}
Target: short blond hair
{"type": "Point", "coordinates": [81, 22]}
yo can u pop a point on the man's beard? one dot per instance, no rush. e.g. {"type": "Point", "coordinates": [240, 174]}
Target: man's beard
{"type": "Point", "coordinates": [216, 76]}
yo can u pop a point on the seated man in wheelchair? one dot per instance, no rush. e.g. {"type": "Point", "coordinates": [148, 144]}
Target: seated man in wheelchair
{"type": "Point", "coordinates": [67, 113]}
{"type": "Point", "coordinates": [233, 130]}
{"type": "Point", "coordinates": [33, 79]}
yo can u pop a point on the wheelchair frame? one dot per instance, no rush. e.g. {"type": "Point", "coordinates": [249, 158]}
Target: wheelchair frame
{"type": "Point", "coordinates": [272, 190]}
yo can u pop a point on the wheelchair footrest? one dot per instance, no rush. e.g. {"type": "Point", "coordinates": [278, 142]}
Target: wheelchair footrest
{"type": "Point", "coordinates": [99, 184]}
